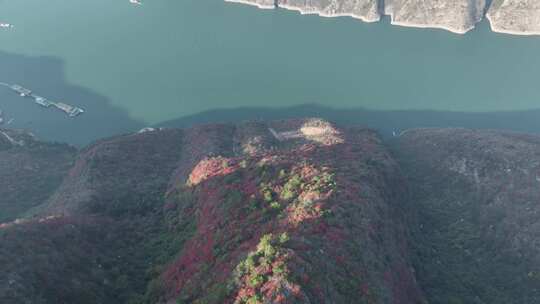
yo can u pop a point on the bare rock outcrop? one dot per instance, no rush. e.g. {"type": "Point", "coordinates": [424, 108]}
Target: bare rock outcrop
{"type": "Point", "coordinates": [365, 10]}
{"type": "Point", "coordinates": [457, 16]}
{"type": "Point", "coordinates": [517, 17]}
{"type": "Point", "coordinates": [264, 4]}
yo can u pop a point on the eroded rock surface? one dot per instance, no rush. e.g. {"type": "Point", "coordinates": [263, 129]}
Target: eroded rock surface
{"type": "Point", "coordinates": [521, 17]}
{"type": "Point", "coordinates": [458, 16]}
{"type": "Point", "coordinates": [258, 3]}
{"type": "Point", "coordinates": [518, 17]}
{"type": "Point", "coordinates": [366, 10]}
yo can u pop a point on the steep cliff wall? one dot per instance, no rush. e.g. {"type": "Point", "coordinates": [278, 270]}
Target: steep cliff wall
{"type": "Point", "coordinates": [520, 17]}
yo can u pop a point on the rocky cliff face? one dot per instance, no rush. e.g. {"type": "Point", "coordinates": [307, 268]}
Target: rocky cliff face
{"type": "Point", "coordinates": [459, 16]}
{"type": "Point", "coordinates": [366, 10]}
{"type": "Point", "coordinates": [264, 4]}
{"type": "Point", "coordinates": [520, 17]}
{"type": "Point", "coordinates": [477, 194]}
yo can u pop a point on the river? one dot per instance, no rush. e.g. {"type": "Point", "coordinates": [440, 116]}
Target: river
{"type": "Point", "coordinates": [133, 66]}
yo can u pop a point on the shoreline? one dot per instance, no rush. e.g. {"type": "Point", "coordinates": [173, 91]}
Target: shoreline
{"type": "Point", "coordinates": [494, 28]}
{"type": "Point", "coordinates": [247, 2]}
{"type": "Point", "coordinates": [326, 15]}
{"type": "Point", "coordinates": [429, 26]}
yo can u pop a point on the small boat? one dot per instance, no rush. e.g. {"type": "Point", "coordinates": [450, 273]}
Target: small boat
{"type": "Point", "coordinates": [6, 25]}
{"type": "Point", "coordinates": [136, 2]}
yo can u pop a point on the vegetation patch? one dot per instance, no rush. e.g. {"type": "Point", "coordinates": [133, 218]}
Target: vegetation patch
{"type": "Point", "coordinates": [264, 273]}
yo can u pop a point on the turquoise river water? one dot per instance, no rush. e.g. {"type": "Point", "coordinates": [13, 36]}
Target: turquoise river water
{"type": "Point", "coordinates": [133, 66]}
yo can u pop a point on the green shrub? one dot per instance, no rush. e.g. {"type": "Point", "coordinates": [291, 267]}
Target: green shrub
{"type": "Point", "coordinates": [256, 299]}
{"type": "Point", "coordinates": [283, 238]}
{"type": "Point", "coordinates": [256, 280]}
{"type": "Point", "coordinates": [275, 205]}
{"type": "Point", "coordinates": [291, 188]}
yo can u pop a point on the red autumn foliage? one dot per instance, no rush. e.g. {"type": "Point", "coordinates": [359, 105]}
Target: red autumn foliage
{"type": "Point", "coordinates": [230, 225]}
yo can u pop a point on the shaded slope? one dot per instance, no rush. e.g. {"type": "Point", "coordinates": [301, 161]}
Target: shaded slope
{"type": "Point", "coordinates": [477, 194]}
{"type": "Point", "coordinates": [30, 171]}
{"type": "Point", "coordinates": [127, 173]}
{"type": "Point", "coordinates": [95, 238]}
{"type": "Point", "coordinates": [67, 260]}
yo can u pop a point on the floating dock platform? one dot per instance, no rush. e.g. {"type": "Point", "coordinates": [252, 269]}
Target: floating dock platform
{"type": "Point", "coordinates": [70, 110]}
{"type": "Point", "coordinates": [23, 92]}
{"type": "Point", "coordinates": [42, 101]}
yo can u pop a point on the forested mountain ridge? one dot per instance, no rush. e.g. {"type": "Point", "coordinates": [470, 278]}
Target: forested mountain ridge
{"type": "Point", "coordinates": [296, 211]}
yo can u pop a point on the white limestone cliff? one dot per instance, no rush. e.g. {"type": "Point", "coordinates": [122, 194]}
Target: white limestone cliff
{"type": "Point", "coordinates": [264, 4]}
{"type": "Point", "coordinates": [365, 10]}
{"type": "Point", "coordinates": [518, 17]}
{"type": "Point", "coordinates": [458, 16]}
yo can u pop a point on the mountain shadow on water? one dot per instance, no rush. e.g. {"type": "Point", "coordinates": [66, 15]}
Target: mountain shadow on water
{"type": "Point", "coordinates": [386, 122]}
{"type": "Point", "coordinates": [46, 77]}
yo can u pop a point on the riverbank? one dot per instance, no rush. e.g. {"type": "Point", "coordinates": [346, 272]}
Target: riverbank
{"type": "Point", "coordinates": [262, 4]}
{"type": "Point", "coordinates": [242, 57]}
{"type": "Point", "coordinates": [366, 13]}
{"type": "Point", "coordinates": [520, 17]}
{"type": "Point", "coordinates": [514, 21]}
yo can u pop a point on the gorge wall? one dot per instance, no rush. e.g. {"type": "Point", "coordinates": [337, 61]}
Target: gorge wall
{"type": "Point", "coordinates": [518, 17]}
